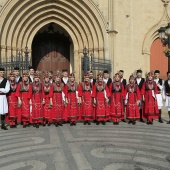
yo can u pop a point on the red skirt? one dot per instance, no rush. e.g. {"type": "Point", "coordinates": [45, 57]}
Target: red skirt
{"type": "Point", "coordinates": [37, 109]}
{"type": "Point", "coordinates": [132, 109]}
{"type": "Point", "coordinates": [58, 107]}
{"type": "Point", "coordinates": [116, 106]}
{"type": "Point", "coordinates": [25, 107]}
{"type": "Point", "coordinates": [72, 107]}
{"type": "Point", "coordinates": [47, 111]}
{"type": "Point", "coordinates": [87, 106]}
{"type": "Point", "coordinates": [100, 107]}
{"type": "Point", "coordinates": [150, 106]}
{"type": "Point", "coordinates": [13, 105]}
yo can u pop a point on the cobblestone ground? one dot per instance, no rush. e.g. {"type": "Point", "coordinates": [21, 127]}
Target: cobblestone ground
{"type": "Point", "coordinates": [109, 147]}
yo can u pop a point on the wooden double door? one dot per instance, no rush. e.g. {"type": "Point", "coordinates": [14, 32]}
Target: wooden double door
{"type": "Point", "coordinates": [51, 52]}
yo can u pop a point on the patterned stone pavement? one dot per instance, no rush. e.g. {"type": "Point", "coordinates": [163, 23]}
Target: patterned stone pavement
{"type": "Point", "coordinates": [123, 147]}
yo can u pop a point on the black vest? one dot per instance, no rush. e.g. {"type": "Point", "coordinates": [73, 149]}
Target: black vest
{"type": "Point", "coordinates": [124, 82]}
{"type": "Point", "coordinates": [3, 83]}
{"type": "Point", "coordinates": [109, 81]}
{"type": "Point", "coordinates": [141, 83]}
{"type": "Point", "coordinates": [160, 82]}
{"type": "Point", "coordinates": [167, 87]}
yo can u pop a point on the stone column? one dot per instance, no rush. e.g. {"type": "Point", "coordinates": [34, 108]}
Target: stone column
{"type": "Point", "coordinates": [77, 64]}
{"type": "Point", "coordinates": [111, 35]}
{"type": "Point", "coordinates": [3, 52]}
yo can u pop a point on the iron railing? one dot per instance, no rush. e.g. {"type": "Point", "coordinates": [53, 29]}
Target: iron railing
{"type": "Point", "coordinates": [21, 61]}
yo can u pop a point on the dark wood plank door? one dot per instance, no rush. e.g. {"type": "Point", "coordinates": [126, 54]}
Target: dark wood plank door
{"type": "Point", "coordinates": [51, 51]}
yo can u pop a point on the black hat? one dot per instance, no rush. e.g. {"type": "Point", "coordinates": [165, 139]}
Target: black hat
{"type": "Point", "coordinates": [139, 71]}
{"type": "Point", "coordinates": [64, 70]}
{"type": "Point", "coordinates": [16, 68]}
{"type": "Point", "coordinates": [2, 69]}
{"type": "Point", "coordinates": [30, 67]}
{"type": "Point", "coordinates": [157, 71]}
{"type": "Point", "coordinates": [105, 71]}
{"type": "Point", "coordinates": [121, 71]}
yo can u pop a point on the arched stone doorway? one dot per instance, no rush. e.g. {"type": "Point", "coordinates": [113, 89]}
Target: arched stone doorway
{"type": "Point", "coordinates": [52, 49]}
{"type": "Point", "coordinates": [158, 61]}
{"type": "Point", "coordinates": [82, 20]}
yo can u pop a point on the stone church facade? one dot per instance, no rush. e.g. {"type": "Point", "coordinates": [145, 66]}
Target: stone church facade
{"type": "Point", "coordinates": [124, 32]}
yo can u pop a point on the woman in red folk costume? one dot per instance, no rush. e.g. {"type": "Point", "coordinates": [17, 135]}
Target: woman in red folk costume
{"type": "Point", "coordinates": [58, 97]}
{"type": "Point", "coordinates": [150, 103]}
{"type": "Point", "coordinates": [72, 99]}
{"type": "Point", "coordinates": [47, 101]}
{"type": "Point", "coordinates": [85, 94]}
{"type": "Point", "coordinates": [37, 108]}
{"type": "Point", "coordinates": [101, 93]}
{"type": "Point", "coordinates": [12, 101]}
{"type": "Point", "coordinates": [24, 94]}
{"type": "Point", "coordinates": [117, 99]}
{"type": "Point", "coordinates": [132, 100]}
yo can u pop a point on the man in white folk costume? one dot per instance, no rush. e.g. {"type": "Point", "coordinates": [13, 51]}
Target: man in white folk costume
{"type": "Point", "coordinates": [167, 94]}
{"type": "Point", "coordinates": [160, 96]}
{"type": "Point", "coordinates": [4, 89]}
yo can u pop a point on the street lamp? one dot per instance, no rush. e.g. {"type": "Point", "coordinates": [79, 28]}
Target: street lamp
{"type": "Point", "coordinates": [164, 35]}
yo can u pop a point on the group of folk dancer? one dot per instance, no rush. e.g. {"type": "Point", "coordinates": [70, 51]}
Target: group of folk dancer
{"type": "Point", "coordinates": [59, 98]}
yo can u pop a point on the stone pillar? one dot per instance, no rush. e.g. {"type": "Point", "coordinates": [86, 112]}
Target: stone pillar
{"type": "Point", "coordinates": [8, 53]}
{"type": "Point", "coordinates": [77, 65]}
{"type": "Point", "coordinates": [111, 35]}
{"type": "Point", "coordinates": [3, 52]}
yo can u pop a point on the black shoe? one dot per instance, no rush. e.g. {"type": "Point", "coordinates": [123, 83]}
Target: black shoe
{"type": "Point", "coordinates": [84, 122]}
{"type": "Point", "coordinates": [151, 123]}
{"type": "Point", "coordinates": [123, 120]}
{"type": "Point", "coordinates": [4, 127]}
{"type": "Point", "coordinates": [160, 120]}
{"type": "Point", "coordinates": [148, 123]}
{"type": "Point", "coordinates": [56, 125]}
{"type": "Point", "coordinates": [11, 126]}
{"type": "Point", "coordinates": [97, 123]}
{"type": "Point", "coordinates": [24, 126]}
{"type": "Point", "coordinates": [71, 124]}
{"type": "Point", "coordinates": [103, 123]}
{"type": "Point", "coordinates": [117, 123]}
{"type": "Point", "coordinates": [49, 124]}
{"type": "Point", "coordinates": [37, 126]}
{"type": "Point", "coordinates": [44, 124]}
{"type": "Point", "coordinates": [89, 123]}
{"type": "Point", "coordinates": [74, 124]}
{"type": "Point", "coordinates": [133, 123]}
{"type": "Point", "coordinates": [129, 122]}
{"type": "Point", "coordinates": [168, 122]}
{"type": "Point", "coordinates": [141, 120]}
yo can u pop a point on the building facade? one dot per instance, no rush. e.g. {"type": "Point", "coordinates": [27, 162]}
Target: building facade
{"type": "Point", "coordinates": [57, 31]}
